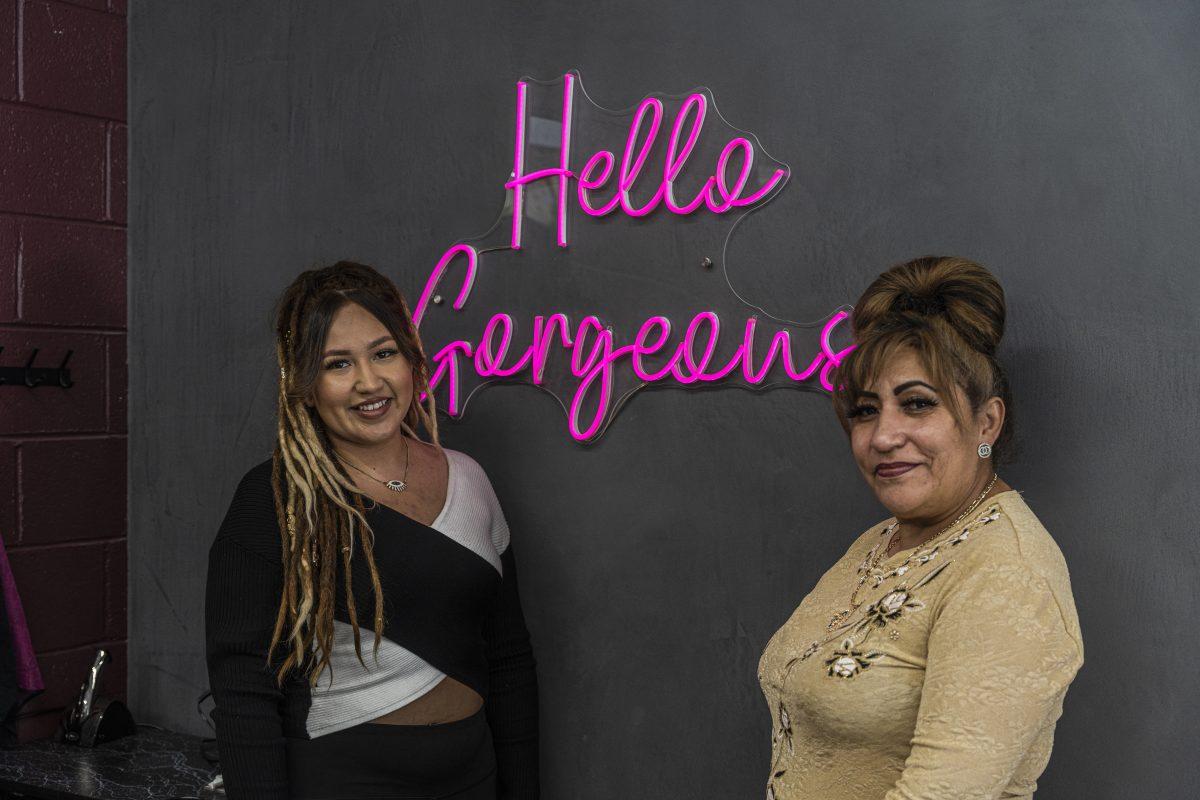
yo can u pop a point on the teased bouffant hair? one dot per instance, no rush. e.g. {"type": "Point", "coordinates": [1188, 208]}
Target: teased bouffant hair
{"type": "Point", "coordinates": [317, 505]}
{"type": "Point", "coordinates": [951, 312]}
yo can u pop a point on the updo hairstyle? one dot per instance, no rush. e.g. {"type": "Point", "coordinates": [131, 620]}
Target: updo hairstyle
{"type": "Point", "coordinates": [950, 312]}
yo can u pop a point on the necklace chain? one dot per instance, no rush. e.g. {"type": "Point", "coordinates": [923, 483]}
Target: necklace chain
{"type": "Point", "coordinates": [924, 556]}
{"type": "Point", "coordinates": [395, 486]}
{"type": "Point", "coordinates": [870, 564]}
{"type": "Point", "coordinates": [961, 517]}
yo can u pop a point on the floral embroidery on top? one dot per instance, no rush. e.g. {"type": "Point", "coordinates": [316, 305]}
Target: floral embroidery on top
{"type": "Point", "coordinates": [846, 661]}
{"type": "Point", "coordinates": [785, 728]}
{"type": "Point", "coordinates": [890, 607]}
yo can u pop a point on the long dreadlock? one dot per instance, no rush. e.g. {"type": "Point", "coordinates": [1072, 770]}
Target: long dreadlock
{"type": "Point", "coordinates": [316, 502]}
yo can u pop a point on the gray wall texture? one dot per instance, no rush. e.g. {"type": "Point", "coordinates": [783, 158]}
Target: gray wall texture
{"type": "Point", "coordinates": [1055, 142]}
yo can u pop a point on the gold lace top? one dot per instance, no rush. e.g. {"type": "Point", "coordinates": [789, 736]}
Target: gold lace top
{"type": "Point", "coordinates": [945, 684]}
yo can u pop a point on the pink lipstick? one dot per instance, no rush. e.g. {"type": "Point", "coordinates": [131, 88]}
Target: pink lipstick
{"type": "Point", "coordinates": [893, 469]}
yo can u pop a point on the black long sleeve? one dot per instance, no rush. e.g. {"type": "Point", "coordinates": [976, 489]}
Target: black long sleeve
{"type": "Point", "coordinates": [459, 613]}
{"type": "Point", "coordinates": [512, 707]}
{"type": "Point", "coordinates": [243, 592]}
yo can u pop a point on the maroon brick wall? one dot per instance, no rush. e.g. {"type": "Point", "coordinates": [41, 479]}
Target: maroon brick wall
{"type": "Point", "coordinates": [62, 286]}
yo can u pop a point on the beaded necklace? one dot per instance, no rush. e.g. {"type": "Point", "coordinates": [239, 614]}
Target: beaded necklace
{"type": "Point", "coordinates": [870, 565]}
{"type": "Point", "coordinates": [878, 576]}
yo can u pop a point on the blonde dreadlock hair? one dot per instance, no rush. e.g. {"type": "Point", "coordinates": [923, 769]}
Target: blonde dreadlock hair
{"type": "Point", "coordinates": [316, 502]}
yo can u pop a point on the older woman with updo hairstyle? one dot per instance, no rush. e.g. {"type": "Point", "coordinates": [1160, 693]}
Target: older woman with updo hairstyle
{"type": "Point", "coordinates": [931, 661]}
{"type": "Point", "coordinates": [361, 511]}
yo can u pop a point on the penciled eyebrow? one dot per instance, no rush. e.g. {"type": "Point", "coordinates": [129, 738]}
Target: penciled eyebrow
{"type": "Point", "coordinates": [904, 387]}
{"type": "Point", "coordinates": [372, 345]}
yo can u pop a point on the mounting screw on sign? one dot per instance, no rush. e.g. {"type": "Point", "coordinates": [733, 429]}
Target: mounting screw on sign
{"type": "Point", "coordinates": [707, 263]}
{"type": "Point", "coordinates": [437, 299]}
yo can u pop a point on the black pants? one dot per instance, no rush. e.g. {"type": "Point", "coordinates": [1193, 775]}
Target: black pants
{"type": "Point", "coordinates": [454, 761]}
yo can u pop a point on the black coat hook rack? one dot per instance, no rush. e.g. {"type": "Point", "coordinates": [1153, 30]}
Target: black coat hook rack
{"type": "Point", "coordinates": [32, 376]}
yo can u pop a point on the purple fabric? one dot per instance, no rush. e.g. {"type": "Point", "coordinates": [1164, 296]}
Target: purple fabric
{"type": "Point", "coordinates": [29, 677]}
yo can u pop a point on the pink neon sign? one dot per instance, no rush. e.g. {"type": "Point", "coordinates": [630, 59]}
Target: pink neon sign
{"type": "Point", "coordinates": [594, 352]}
{"type": "Point", "coordinates": [716, 193]}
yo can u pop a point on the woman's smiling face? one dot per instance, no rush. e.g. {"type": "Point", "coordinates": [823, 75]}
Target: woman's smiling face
{"type": "Point", "coordinates": [919, 460]}
{"type": "Point", "coordinates": [365, 385]}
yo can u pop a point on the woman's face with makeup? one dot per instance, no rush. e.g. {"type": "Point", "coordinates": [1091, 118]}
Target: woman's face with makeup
{"type": "Point", "coordinates": [365, 385]}
{"type": "Point", "coordinates": [920, 462]}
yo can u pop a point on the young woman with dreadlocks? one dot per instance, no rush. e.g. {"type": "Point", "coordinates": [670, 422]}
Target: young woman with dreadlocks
{"type": "Point", "coordinates": [355, 516]}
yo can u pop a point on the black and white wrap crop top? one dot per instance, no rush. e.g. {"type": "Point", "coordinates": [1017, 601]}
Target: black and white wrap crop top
{"type": "Point", "coordinates": [451, 608]}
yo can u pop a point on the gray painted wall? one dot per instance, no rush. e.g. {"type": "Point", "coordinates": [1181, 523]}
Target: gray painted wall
{"type": "Point", "coordinates": [1054, 142]}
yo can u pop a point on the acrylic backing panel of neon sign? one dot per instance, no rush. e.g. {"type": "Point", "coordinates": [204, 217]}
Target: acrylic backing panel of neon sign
{"type": "Point", "coordinates": [637, 204]}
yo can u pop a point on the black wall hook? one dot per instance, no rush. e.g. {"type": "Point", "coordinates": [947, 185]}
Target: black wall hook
{"type": "Point", "coordinates": [32, 376]}
{"type": "Point", "coordinates": [32, 380]}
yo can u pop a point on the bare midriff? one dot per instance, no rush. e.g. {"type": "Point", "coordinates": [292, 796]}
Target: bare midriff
{"type": "Point", "coordinates": [449, 701]}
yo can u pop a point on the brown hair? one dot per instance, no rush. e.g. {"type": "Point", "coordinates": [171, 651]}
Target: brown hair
{"type": "Point", "coordinates": [951, 312]}
{"type": "Point", "coordinates": [316, 502]}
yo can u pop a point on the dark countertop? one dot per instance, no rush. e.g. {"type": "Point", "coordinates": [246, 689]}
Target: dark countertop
{"type": "Point", "coordinates": [153, 765]}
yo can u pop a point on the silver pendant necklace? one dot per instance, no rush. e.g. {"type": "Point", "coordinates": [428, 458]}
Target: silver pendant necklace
{"type": "Point", "coordinates": [395, 486]}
